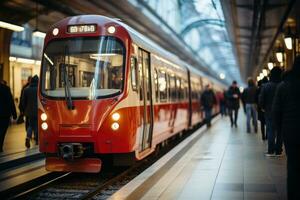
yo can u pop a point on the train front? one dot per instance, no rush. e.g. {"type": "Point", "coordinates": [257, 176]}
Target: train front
{"type": "Point", "coordinates": [82, 82]}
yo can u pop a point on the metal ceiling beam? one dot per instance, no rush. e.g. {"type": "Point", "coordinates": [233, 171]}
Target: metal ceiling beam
{"type": "Point", "coordinates": [202, 22]}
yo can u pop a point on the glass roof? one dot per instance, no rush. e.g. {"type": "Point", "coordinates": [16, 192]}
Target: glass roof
{"type": "Point", "coordinates": [206, 33]}
{"type": "Point", "coordinates": [202, 26]}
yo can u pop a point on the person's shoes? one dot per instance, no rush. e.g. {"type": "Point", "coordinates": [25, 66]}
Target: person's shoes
{"type": "Point", "coordinates": [279, 154]}
{"type": "Point", "coordinates": [270, 154]}
{"type": "Point", "coordinates": [27, 143]}
{"type": "Point", "coordinates": [235, 125]}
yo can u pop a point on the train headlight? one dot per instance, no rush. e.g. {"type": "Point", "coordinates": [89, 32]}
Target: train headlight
{"type": "Point", "coordinates": [55, 31]}
{"type": "Point", "coordinates": [116, 116]}
{"type": "Point", "coordinates": [115, 126]}
{"type": "Point", "coordinates": [111, 29]}
{"type": "Point", "coordinates": [44, 126]}
{"type": "Point", "coordinates": [43, 117]}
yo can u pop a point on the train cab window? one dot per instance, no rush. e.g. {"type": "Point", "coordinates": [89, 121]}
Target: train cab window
{"type": "Point", "coordinates": [162, 85]}
{"type": "Point", "coordinates": [133, 72]}
{"type": "Point", "coordinates": [88, 67]}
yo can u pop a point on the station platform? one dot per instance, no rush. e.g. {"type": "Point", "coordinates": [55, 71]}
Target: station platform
{"type": "Point", "coordinates": [218, 163]}
{"type": "Point", "coordinates": [14, 141]}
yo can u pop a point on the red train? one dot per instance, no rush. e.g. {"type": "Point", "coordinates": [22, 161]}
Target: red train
{"type": "Point", "coordinates": [108, 92]}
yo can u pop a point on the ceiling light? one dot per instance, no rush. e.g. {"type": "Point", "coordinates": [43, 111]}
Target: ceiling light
{"type": "Point", "coordinates": [279, 56]}
{"type": "Point", "coordinates": [39, 34]}
{"type": "Point", "coordinates": [270, 65]}
{"type": "Point", "coordinates": [25, 61]}
{"type": "Point", "coordinates": [265, 72]}
{"type": "Point", "coordinates": [11, 26]}
{"type": "Point", "coordinates": [288, 40]}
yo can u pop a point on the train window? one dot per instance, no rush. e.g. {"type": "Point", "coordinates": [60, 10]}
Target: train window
{"type": "Point", "coordinates": [162, 85]}
{"type": "Point", "coordinates": [156, 85]}
{"type": "Point", "coordinates": [173, 93]}
{"type": "Point", "coordinates": [89, 67]}
{"type": "Point", "coordinates": [134, 75]}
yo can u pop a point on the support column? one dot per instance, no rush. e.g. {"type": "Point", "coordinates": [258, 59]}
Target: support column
{"type": "Point", "coordinates": [5, 38]}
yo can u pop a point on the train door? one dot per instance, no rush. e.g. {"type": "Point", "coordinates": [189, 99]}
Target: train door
{"type": "Point", "coordinates": [145, 100]}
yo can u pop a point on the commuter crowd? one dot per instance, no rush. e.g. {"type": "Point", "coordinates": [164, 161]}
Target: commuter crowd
{"type": "Point", "coordinates": [27, 107]}
{"type": "Point", "coordinates": [275, 103]}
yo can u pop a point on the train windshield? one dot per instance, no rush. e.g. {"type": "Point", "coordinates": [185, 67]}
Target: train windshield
{"type": "Point", "coordinates": [89, 68]}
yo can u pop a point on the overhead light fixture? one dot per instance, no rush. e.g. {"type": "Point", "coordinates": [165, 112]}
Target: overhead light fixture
{"type": "Point", "coordinates": [258, 78]}
{"type": "Point", "coordinates": [270, 65]}
{"type": "Point", "coordinates": [279, 54]}
{"type": "Point", "coordinates": [39, 34]}
{"type": "Point", "coordinates": [261, 75]}
{"type": "Point", "coordinates": [25, 61]}
{"type": "Point", "coordinates": [12, 27]}
{"type": "Point", "coordinates": [265, 72]}
{"type": "Point", "coordinates": [222, 76]}
{"type": "Point", "coordinates": [288, 39]}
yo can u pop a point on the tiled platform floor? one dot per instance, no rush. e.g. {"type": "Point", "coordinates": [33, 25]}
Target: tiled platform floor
{"type": "Point", "coordinates": [15, 140]}
{"type": "Point", "coordinates": [225, 164]}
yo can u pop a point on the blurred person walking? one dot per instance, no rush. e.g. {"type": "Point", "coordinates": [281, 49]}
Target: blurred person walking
{"type": "Point", "coordinates": [21, 116]}
{"type": "Point", "coordinates": [7, 109]}
{"type": "Point", "coordinates": [233, 98]}
{"type": "Point", "coordinates": [266, 98]}
{"type": "Point", "coordinates": [250, 100]}
{"type": "Point", "coordinates": [286, 115]}
{"type": "Point", "coordinates": [29, 103]}
{"type": "Point", "coordinates": [208, 100]}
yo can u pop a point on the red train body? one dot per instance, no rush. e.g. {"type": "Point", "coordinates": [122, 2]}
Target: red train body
{"type": "Point", "coordinates": [106, 91]}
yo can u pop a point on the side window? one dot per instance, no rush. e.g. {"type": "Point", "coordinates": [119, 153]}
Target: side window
{"type": "Point", "coordinates": [162, 82]}
{"type": "Point", "coordinates": [133, 72]}
{"type": "Point", "coordinates": [173, 88]}
{"type": "Point", "coordinates": [156, 84]}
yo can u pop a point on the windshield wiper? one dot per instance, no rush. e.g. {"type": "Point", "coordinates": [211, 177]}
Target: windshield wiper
{"type": "Point", "coordinates": [68, 96]}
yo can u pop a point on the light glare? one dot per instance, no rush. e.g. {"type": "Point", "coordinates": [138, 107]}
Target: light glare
{"type": "Point", "coordinates": [116, 116]}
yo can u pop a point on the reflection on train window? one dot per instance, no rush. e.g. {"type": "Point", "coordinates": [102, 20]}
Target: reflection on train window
{"type": "Point", "coordinates": [133, 73]}
{"type": "Point", "coordinates": [90, 67]}
{"type": "Point", "coordinates": [162, 85]}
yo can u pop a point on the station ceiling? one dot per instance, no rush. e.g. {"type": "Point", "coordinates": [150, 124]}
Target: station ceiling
{"type": "Point", "coordinates": [253, 25]}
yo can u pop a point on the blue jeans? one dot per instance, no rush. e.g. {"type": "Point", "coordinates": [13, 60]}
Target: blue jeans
{"type": "Point", "coordinates": [270, 135]}
{"type": "Point", "coordinates": [208, 113]}
{"type": "Point", "coordinates": [32, 127]}
{"type": "Point", "coordinates": [251, 113]}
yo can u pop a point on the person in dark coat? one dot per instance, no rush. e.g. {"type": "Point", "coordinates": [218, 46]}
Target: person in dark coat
{"type": "Point", "coordinates": [29, 104]}
{"type": "Point", "coordinates": [7, 109]}
{"type": "Point", "coordinates": [265, 100]}
{"type": "Point", "coordinates": [249, 96]}
{"type": "Point", "coordinates": [208, 99]}
{"type": "Point", "coordinates": [21, 116]}
{"type": "Point", "coordinates": [260, 112]}
{"type": "Point", "coordinates": [233, 98]}
{"type": "Point", "coordinates": [286, 116]}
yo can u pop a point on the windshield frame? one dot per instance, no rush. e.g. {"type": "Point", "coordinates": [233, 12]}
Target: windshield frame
{"type": "Point", "coordinates": [43, 68]}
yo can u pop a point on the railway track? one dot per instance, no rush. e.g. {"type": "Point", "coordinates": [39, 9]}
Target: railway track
{"type": "Point", "coordinates": [94, 186]}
